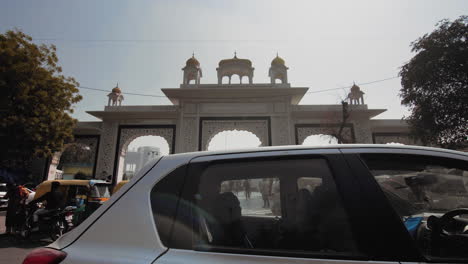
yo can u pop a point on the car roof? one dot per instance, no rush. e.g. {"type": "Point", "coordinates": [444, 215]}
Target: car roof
{"type": "Point", "coordinates": [301, 147]}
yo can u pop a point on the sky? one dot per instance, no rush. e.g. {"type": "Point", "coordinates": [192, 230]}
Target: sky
{"type": "Point", "coordinates": [143, 44]}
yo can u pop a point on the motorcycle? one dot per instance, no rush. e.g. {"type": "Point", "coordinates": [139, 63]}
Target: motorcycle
{"type": "Point", "coordinates": [54, 224]}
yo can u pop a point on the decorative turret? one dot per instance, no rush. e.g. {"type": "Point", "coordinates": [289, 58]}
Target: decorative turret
{"type": "Point", "coordinates": [356, 96]}
{"type": "Point", "coordinates": [278, 70]}
{"type": "Point", "coordinates": [192, 71]}
{"type": "Point", "coordinates": [115, 97]}
{"type": "Point", "coordinates": [235, 66]}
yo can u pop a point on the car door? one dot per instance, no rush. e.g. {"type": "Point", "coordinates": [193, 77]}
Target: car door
{"type": "Point", "coordinates": [415, 188]}
{"type": "Point", "coordinates": [319, 220]}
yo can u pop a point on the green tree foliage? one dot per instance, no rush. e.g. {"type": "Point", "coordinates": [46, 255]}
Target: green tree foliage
{"type": "Point", "coordinates": [36, 100]}
{"type": "Point", "coordinates": [435, 85]}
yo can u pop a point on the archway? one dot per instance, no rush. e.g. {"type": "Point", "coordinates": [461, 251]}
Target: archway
{"type": "Point", "coordinates": [320, 140]}
{"type": "Point", "coordinates": [76, 162]}
{"type": "Point", "coordinates": [211, 126]}
{"type": "Point", "coordinates": [225, 79]}
{"type": "Point", "coordinates": [77, 158]}
{"type": "Point", "coordinates": [324, 133]}
{"type": "Point", "coordinates": [233, 139]}
{"type": "Point", "coordinates": [138, 152]}
{"type": "Point", "coordinates": [129, 133]}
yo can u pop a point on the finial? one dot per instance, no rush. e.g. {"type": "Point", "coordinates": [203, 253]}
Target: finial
{"type": "Point", "coordinates": [117, 85]}
{"type": "Point", "coordinates": [193, 54]}
{"type": "Point", "coordinates": [235, 54]}
{"type": "Point", "coordinates": [277, 54]}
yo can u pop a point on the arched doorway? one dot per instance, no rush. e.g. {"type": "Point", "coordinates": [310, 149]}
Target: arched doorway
{"type": "Point", "coordinates": [76, 162]}
{"type": "Point", "coordinates": [320, 140]}
{"type": "Point", "coordinates": [139, 152]}
{"type": "Point", "coordinates": [324, 134]}
{"type": "Point", "coordinates": [162, 142]}
{"type": "Point", "coordinates": [211, 126]}
{"type": "Point", "coordinates": [234, 139]}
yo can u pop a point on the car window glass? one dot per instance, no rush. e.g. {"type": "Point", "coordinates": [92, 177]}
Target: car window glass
{"type": "Point", "coordinates": [164, 202]}
{"type": "Point", "coordinates": [422, 190]}
{"type": "Point", "coordinates": [278, 214]}
{"type": "Point", "coordinates": [308, 183]}
{"type": "Point", "coordinates": [257, 197]}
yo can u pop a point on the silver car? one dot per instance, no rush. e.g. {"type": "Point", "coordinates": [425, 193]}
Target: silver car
{"type": "Point", "coordinates": [337, 204]}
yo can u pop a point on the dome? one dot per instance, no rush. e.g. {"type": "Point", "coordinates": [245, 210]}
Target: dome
{"type": "Point", "coordinates": [355, 88]}
{"type": "Point", "coordinates": [116, 89]}
{"type": "Point", "coordinates": [192, 62]}
{"type": "Point", "coordinates": [277, 61]}
{"type": "Point", "coordinates": [236, 60]}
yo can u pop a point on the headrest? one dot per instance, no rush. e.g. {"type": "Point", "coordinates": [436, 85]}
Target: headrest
{"type": "Point", "coordinates": [227, 208]}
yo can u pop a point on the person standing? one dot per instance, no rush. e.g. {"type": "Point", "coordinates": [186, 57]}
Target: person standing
{"type": "Point", "coordinates": [264, 188]}
{"type": "Point", "coordinates": [247, 188]}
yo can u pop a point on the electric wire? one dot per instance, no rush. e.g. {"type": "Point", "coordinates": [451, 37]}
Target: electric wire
{"type": "Point", "coordinates": [311, 92]}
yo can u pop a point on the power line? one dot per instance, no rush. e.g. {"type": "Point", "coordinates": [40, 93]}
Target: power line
{"type": "Point", "coordinates": [312, 92]}
{"type": "Point", "coordinates": [107, 91]}
{"type": "Point", "coordinates": [157, 40]}
{"type": "Point", "coordinates": [349, 86]}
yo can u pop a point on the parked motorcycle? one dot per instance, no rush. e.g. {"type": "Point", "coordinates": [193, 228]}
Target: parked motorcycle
{"type": "Point", "coordinates": [53, 224]}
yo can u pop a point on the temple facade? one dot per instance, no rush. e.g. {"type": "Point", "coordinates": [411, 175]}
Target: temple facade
{"type": "Point", "coordinates": [199, 111]}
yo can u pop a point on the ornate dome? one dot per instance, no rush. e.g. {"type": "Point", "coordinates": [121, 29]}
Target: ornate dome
{"type": "Point", "coordinates": [116, 89]}
{"type": "Point", "coordinates": [236, 60]}
{"type": "Point", "coordinates": [277, 61]}
{"type": "Point", "coordinates": [355, 88]}
{"type": "Point", "coordinates": [192, 62]}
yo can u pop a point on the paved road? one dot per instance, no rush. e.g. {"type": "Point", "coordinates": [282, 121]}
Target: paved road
{"type": "Point", "coordinates": [13, 250]}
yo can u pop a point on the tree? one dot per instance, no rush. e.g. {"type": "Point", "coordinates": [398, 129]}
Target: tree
{"type": "Point", "coordinates": [435, 85]}
{"type": "Point", "coordinates": [36, 101]}
{"type": "Point", "coordinates": [76, 153]}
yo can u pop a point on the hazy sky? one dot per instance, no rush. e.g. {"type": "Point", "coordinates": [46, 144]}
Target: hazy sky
{"type": "Point", "coordinates": [143, 45]}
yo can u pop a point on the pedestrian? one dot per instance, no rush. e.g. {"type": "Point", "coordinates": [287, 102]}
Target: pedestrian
{"type": "Point", "coordinates": [264, 188]}
{"type": "Point", "coordinates": [232, 186]}
{"type": "Point", "coordinates": [247, 188]}
{"type": "Point", "coordinates": [12, 209]}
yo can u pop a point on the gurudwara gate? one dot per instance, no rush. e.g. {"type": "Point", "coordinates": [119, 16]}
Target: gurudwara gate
{"type": "Point", "coordinates": [270, 111]}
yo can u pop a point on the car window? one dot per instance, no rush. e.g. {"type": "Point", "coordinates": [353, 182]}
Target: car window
{"type": "Point", "coordinates": [284, 205]}
{"type": "Point", "coordinates": [422, 189]}
{"type": "Point", "coordinates": [257, 197]}
{"type": "Point", "coordinates": [164, 202]}
{"type": "Point", "coordinates": [309, 183]}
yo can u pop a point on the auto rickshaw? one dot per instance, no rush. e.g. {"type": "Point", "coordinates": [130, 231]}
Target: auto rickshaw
{"type": "Point", "coordinates": [119, 185]}
{"type": "Point", "coordinates": [86, 195]}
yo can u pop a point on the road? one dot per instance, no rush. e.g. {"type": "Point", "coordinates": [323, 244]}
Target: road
{"type": "Point", "coordinates": [13, 250]}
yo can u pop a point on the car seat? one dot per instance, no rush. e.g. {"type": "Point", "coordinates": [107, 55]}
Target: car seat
{"type": "Point", "coordinates": [333, 227]}
{"type": "Point", "coordinates": [226, 227]}
{"type": "Point", "coordinates": [305, 223]}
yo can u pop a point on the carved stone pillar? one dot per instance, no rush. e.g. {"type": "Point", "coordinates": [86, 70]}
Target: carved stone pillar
{"type": "Point", "coordinates": [362, 130]}
{"type": "Point", "coordinates": [107, 148]}
{"type": "Point", "coordinates": [189, 134]}
{"type": "Point", "coordinates": [280, 131]}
